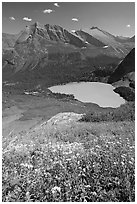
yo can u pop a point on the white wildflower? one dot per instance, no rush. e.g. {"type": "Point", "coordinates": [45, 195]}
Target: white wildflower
{"type": "Point", "coordinates": [87, 186]}
{"type": "Point", "coordinates": [37, 170]}
{"type": "Point", "coordinates": [123, 155]}
{"type": "Point", "coordinates": [94, 193]}
{"type": "Point", "coordinates": [68, 159]}
{"type": "Point", "coordinates": [55, 189]}
{"type": "Point", "coordinates": [28, 195]}
{"type": "Point", "coordinates": [130, 162]}
{"type": "Point", "coordinates": [131, 147]}
{"type": "Point", "coordinates": [122, 163]}
{"type": "Point", "coordinates": [26, 165]}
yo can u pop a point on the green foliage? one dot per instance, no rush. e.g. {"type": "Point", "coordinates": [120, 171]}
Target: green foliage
{"type": "Point", "coordinates": [132, 84]}
{"type": "Point", "coordinates": [61, 67]}
{"type": "Point", "coordinates": [126, 92]}
{"type": "Point", "coordinates": [105, 70]}
{"type": "Point", "coordinates": [62, 96]}
{"type": "Point", "coordinates": [124, 112]}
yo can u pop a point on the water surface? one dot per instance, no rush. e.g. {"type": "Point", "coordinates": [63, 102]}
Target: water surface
{"type": "Point", "coordinates": [94, 92]}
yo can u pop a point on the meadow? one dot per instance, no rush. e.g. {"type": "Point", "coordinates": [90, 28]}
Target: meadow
{"type": "Point", "coordinates": [78, 161]}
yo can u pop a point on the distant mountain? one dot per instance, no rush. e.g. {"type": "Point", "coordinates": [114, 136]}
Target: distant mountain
{"type": "Point", "coordinates": [122, 39]}
{"type": "Point", "coordinates": [49, 51]}
{"type": "Point", "coordinates": [121, 47]}
{"type": "Point", "coordinates": [89, 39]}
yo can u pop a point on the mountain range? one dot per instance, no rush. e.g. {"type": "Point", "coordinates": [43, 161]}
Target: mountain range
{"type": "Point", "coordinates": [44, 52]}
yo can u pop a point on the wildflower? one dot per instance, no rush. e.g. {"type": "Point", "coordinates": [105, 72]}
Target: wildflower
{"type": "Point", "coordinates": [27, 165]}
{"type": "Point", "coordinates": [37, 170]}
{"type": "Point", "coordinates": [27, 195]}
{"type": "Point", "coordinates": [68, 159]}
{"type": "Point", "coordinates": [130, 162]}
{"type": "Point", "coordinates": [94, 193]}
{"type": "Point", "coordinates": [30, 166]}
{"type": "Point", "coordinates": [55, 189]}
{"type": "Point", "coordinates": [123, 155]}
{"type": "Point", "coordinates": [87, 186]}
{"type": "Point", "coordinates": [122, 163]}
{"type": "Point", "coordinates": [98, 146]}
{"type": "Point", "coordinates": [77, 154]}
{"type": "Point", "coordinates": [15, 171]}
{"type": "Point", "coordinates": [22, 164]}
{"type": "Point", "coordinates": [69, 152]}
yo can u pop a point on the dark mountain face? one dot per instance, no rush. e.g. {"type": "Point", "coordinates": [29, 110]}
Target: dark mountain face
{"type": "Point", "coordinates": [132, 39]}
{"type": "Point", "coordinates": [125, 67]}
{"type": "Point", "coordinates": [45, 51]}
{"type": "Point", "coordinates": [123, 78]}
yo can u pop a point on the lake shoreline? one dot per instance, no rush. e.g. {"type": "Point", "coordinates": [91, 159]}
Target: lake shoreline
{"type": "Point", "coordinates": [81, 90]}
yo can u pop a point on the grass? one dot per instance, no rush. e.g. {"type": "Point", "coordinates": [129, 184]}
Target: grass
{"type": "Point", "coordinates": [124, 112]}
{"type": "Point", "coordinates": [91, 162]}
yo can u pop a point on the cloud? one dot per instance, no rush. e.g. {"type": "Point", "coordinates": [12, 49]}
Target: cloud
{"type": "Point", "coordinates": [128, 26]}
{"type": "Point", "coordinates": [74, 19]}
{"type": "Point", "coordinates": [56, 4]}
{"type": "Point", "coordinates": [12, 18]}
{"type": "Point", "coordinates": [48, 11]}
{"type": "Point", "coordinates": [27, 19]}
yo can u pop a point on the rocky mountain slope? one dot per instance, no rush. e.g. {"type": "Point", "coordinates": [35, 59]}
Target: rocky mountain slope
{"type": "Point", "coordinates": [8, 40]}
{"type": "Point", "coordinates": [40, 51]}
{"type": "Point", "coordinates": [116, 43]}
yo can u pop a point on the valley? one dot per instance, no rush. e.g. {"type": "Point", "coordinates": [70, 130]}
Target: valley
{"type": "Point", "coordinates": [21, 111]}
{"type": "Point", "coordinates": [57, 148]}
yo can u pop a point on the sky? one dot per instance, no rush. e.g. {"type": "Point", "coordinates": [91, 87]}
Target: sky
{"type": "Point", "coordinates": [117, 18]}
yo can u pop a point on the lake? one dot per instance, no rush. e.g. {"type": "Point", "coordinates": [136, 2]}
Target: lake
{"type": "Point", "coordinates": [94, 92]}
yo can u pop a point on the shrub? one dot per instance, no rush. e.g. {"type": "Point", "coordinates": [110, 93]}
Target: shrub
{"type": "Point", "coordinates": [124, 112]}
{"type": "Point", "coordinates": [125, 92]}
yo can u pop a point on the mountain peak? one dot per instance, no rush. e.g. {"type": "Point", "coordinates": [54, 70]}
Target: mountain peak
{"type": "Point", "coordinates": [94, 27]}
{"type": "Point", "coordinates": [53, 27]}
{"type": "Point", "coordinates": [37, 24]}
